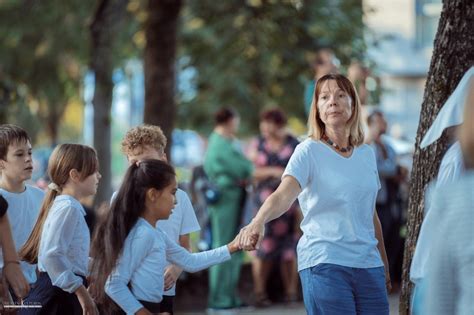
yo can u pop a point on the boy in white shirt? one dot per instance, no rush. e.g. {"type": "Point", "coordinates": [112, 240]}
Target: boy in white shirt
{"type": "Point", "coordinates": [16, 167]}
{"type": "Point", "coordinates": [149, 142]}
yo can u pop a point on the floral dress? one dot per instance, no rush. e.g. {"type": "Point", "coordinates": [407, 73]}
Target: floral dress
{"type": "Point", "coordinates": [281, 234]}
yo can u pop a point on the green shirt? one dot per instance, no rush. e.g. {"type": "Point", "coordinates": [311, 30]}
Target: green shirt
{"type": "Point", "coordinates": [225, 163]}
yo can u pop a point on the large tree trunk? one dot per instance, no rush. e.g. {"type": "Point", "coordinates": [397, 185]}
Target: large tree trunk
{"type": "Point", "coordinates": [104, 26]}
{"type": "Point", "coordinates": [453, 55]}
{"type": "Point", "coordinates": [160, 55]}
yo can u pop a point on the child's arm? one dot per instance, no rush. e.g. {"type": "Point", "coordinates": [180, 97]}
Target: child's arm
{"type": "Point", "coordinates": [172, 272]}
{"type": "Point", "coordinates": [135, 249]}
{"type": "Point", "coordinates": [189, 224]}
{"type": "Point", "coordinates": [11, 264]}
{"type": "Point", "coordinates": [193, 262]}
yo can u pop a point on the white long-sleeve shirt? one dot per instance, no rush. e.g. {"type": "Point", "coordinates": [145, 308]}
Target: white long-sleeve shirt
{"type": "Point", "coordinates": [65, 243]}
{"type": "Point", "coordinates": [450, 273]}
{"type": "Point", "coordinates": [450, 170]}
{"type": "Point", "coordinates": [142, 263]}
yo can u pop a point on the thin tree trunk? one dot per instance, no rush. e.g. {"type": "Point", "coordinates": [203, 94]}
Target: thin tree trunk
{"type": "Point", "coordinates": [453, 55]}
{"type": "Point", "coordinates": [104, 26]}
{"type": "Point", "coordinates": [160, 55]}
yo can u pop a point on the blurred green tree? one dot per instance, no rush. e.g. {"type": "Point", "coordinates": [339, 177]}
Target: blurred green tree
{"type": "Point", "coordinates": [105, 27]}
{"type": "Point", "coordinates": [42, 52]}
{"type": "Point", "coordinates": [251, 54]}
{"type": "Point", "coordinates": [161, 31]}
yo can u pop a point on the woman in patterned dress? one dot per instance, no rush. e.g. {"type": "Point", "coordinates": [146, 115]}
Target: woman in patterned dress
{"type": "Point", "coordinates": [270, 153]}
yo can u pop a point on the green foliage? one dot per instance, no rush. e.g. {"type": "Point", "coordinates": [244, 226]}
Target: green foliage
{"type": "Point", "coordinates": [43, 46]}
{"type": "Point", "coordinates": [254, 54]}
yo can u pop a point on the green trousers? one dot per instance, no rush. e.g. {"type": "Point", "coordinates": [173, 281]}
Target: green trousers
{"type": "Point", "coordinates": [224, 278]}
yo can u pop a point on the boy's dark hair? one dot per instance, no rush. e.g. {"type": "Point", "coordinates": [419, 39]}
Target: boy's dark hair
{"type": "Point", "coordinates": [11, 134]}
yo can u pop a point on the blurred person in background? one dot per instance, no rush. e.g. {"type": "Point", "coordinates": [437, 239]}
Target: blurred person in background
{"type": "Point", "coordinates": [452, 167]}
{"type": "Point", "coordinates": [388, 204]}
{"type": "Point", "coordinates": [230, 171]}
{"type": "Point", "coordinates": [450, 273]}
{"type": "Point", "coordinates": [270, 153]}
{"type": "Point", "coordinates": [324, 62]}
{"type": "Point", "coordinates": [358, 75]}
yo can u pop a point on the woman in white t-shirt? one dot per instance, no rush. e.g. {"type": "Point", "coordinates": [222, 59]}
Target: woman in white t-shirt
{"type": "Point", "coordinates": [341, 256]}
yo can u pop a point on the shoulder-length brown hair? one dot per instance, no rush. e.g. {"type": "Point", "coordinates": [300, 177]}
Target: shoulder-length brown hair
{"type": "Point", "coordinates": [316, 126]}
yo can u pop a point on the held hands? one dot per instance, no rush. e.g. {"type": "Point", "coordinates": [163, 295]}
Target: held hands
{"type": "Point", "coordinates": [172, 274]}
{"type": "Point", "coordinates": [251, 235]}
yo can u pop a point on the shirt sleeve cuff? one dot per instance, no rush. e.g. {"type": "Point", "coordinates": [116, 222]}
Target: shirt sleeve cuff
{"type": "Point", "coordinates": [68, 282]}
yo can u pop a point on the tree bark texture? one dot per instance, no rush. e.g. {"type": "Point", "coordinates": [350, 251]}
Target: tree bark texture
{"type": "Point", "coordinates": [160, 56]}
{"type": "Point", "coordinates": [453, 55]}
{"type": "Point", "coordinates": [105, 24]}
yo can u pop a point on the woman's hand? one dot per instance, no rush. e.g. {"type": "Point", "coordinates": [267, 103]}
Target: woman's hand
{"type": "Point", "coordinates": [87, 304]}
{"type": "Point", "coordinates": [388, 282]}
{"type": "Point", "coordinates": [251, 235]}
{"type": "Point", "coordinates": [235, 245]}
{"type": "Point", "coordinates": [15, 278]}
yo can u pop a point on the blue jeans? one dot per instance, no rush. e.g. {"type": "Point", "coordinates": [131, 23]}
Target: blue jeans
{"type": "Point", "coordinates": [330, 289]}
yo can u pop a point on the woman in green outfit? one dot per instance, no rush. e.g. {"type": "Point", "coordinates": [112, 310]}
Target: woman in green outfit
{"type": "Point", "coordinates": [227, 167]}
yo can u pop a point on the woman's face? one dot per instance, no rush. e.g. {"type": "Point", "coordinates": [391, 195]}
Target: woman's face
{"type": "Point", "coordinates": [334, 104]}
{"type": "Point", "coordinates": [233, 125]}
{"type": "Point", "coordinates": [269, 129]}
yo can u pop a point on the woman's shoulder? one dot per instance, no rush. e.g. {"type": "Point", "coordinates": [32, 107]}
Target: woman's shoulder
{"type": "Point", "coordinates": [309, 145]}
{"type": "Point", "coordinates": [366, 149]}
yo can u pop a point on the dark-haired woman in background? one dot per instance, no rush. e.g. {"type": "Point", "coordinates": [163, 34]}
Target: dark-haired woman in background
{"type": "Point", "coordinates": [228, 168]}
{"type": "Point", "coordinates": [270, 153]}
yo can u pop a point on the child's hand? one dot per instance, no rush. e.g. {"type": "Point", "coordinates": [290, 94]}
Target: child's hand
{"type": "Point", "coordinates": [87, 304]}
{"type": "Point", "coordinates": [251, 235]}
{"type": "Point", "coordinates": [143, 311]}
{"type": "Point", "coordinates": [235, 245]}
{"type": "Point", "coordinates": [172, 274]}
{"type": "Point", "coordinates": [14, 276]}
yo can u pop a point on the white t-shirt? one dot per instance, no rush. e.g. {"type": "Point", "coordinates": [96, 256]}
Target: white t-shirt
{"type": "Point", "coordinates": [142, 263]}
{"type": "Point", "coordinates": [181, 222]}
{"type": "Point", "coordinates": [23, 210]}
{"type": "Point", "coordinates": [338, 202]}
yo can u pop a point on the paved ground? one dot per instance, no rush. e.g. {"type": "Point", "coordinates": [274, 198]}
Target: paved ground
{"type": "Point", "coordinates": [280, 309]}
